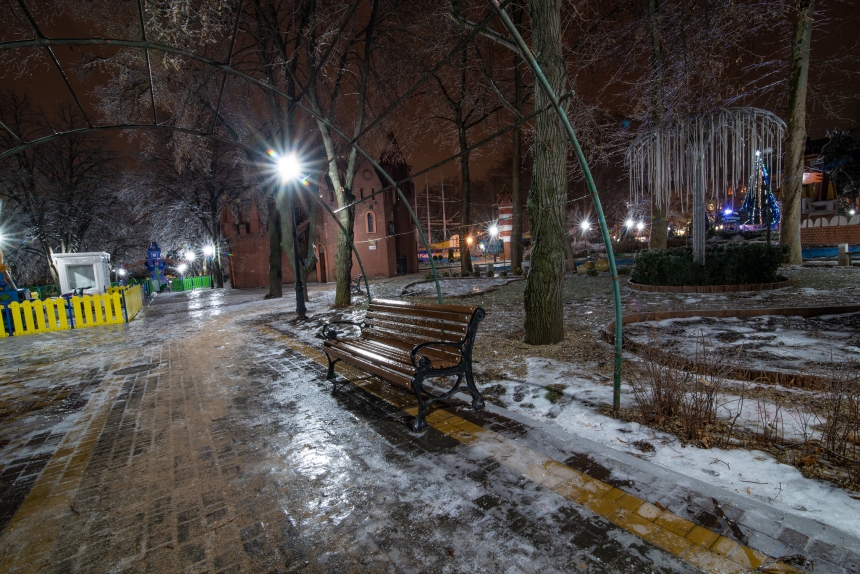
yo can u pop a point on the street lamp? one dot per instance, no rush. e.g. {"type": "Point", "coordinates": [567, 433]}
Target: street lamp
{"type": "Point", "coordinates": [290, 170]}
{"type": "Point", "coordinates": [208, 251]}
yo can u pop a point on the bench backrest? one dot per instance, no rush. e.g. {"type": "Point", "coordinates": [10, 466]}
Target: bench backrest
{"type": "Point", "coordinates": [416, 323]}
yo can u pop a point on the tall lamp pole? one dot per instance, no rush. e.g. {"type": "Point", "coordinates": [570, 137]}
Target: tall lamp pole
{"type": "Point", "coordinates": [289, 170]}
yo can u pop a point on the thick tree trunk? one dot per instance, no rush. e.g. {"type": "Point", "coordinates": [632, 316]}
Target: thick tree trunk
{"type": "Point", "coordinates": [568, 254]}
{"type": "Point", "coordinates": [516, 148]}
{"type": "Point", "coordinates": [544, 322]}
{"type": "Point", "coordinates": [343, 259]}
{"type": "Point", "coordinates": [659, 211]}
{"type": "Point", "coordinates": [659, 224]}
{"type": "Point", "coordinates": [795, 137]}
{"type": "Point", "coordinates": [276, 273]}
{"type": "Point", "coordinates": [466, 202]}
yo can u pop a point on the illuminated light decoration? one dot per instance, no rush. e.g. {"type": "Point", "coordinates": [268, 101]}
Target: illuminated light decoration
{"type": "Point", "coordinates": [469, 240]}
{"type": "Point", "coordinates": [585, 225]}
{"type": "Point", "coordinates": [121, 272]}
{"type": "Point", "coordinates": [640, 226]}
{"type": "Point", "coordinates": [629, 224]}
{"type": "Point", "coordinates": [760, 206]}
{"type": "Point", "coordinates": [288, 167]}
{"type": "Point", "coordinates": [208, 251]}
{"type": "Point", "coordinates": [190, 255]}
{"type": "Point", "coordinates": [728, 212]}
{"type": "Point", "coordinates": [851, 212]}
{"type": "Point", "coordinates": [182, 267]}
{"type": "Point", "coordinates": [494, 230]}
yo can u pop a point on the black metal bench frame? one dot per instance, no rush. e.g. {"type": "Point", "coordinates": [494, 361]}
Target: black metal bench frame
{"type": "Point", "coordinates": [422, 364]}
{"type": "Point", "coordinates": [355, 285]}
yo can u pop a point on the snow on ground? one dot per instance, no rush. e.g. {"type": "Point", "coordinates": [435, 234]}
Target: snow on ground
{"type": "Point", "coordinates": [456, 287]}
{"type": "Point", "coordinates": [754, 474]}
{"type": "Point", "coordinates": [768, 342]}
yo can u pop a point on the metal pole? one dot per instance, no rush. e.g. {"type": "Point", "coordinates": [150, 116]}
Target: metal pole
{"type": "Point", "coordinates": [616, 289]}
{"type": "Point", "coordinates": [300, 289]}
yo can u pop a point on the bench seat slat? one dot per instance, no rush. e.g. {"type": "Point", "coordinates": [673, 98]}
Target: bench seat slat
{"type": "Point", "coordinates": [400, 332]}
{"type": "Point", "coordinates": [407, 344]}
{"type": "Point", "coordinates": [355, 349]}
{"type": "Point", "coordinates": [426, 306]}
{"type": "Point", "coordinates": [441, 315]}
{"type": "Point", "coordinates": [417, 322]}
{"type": "Point", "coordinates": [399, 351]}
{"type": "Point", "coordinates": [400, 379]}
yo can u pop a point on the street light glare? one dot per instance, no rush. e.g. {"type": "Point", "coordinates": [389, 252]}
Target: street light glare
{"type": "Point", "coordinates": [121, 272]}
{"type": "Point", "coordinates": [190, 255]}
{"type": "Point", "coordinates": [182, 267]}
{"type": "Point", "coordinates": [640, 226]}
{"type": "Point", "coordinates": [585, 225]}
{"type": "Point", "coordinates": [629, 223]}
{"type": "Point", "coordinates": [208, 251]}
{"type": "Point", "coordinates": [288, 167]}
{"type": "Point", "coordinates": [494, 230]}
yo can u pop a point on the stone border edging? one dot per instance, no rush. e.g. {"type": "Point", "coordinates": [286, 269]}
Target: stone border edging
{"type": "Point", "coordinates": [755, 375]}
{"type": "Point", "coordinates": [709, 288]}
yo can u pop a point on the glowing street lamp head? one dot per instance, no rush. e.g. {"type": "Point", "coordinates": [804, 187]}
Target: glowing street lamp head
{"type": "Point", "coordinates": [182, 267]}
{"type": "Point", "coordinates": [469, 240]}
{"type": "Point", "coordinates": [121, 272]}
{"type": "Point", "coordinates": [585, 225]}
{"type": "Point", "coordinates": [851, 212]}
{"type": "Point", "coordinates": [190, 255]}
{"type": "Point", "coordinates": [494, 230]}
{"type": "Point", "coordinates": [728, 212]}
{"type": "Point", "coordinates": [208, 250]}
{"type": "Point", "coordinates": [288, 167]}
{"type": "Point", "coordinates": [640, 226]}
{"type": "Point", "coordinates": [629, 224]}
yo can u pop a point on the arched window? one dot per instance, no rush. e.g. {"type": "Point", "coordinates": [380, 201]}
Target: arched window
{"type": "Point", "coordinates": [371, 222]}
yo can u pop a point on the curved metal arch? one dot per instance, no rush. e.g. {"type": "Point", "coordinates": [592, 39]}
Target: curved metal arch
{"type": "Point", "coordinates": [47, 42]}
{"type": "Point", "coordinates": [46, 139]}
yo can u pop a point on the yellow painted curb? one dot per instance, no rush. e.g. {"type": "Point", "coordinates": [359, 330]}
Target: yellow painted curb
{"type": "Point", "coordinates": [693, 544]}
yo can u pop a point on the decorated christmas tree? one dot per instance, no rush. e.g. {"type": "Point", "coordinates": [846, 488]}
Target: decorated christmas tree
{"type": "Point", "coordinates": [760, 206]}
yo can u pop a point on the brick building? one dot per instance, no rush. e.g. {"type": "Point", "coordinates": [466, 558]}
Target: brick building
{"type": "Point", "coordinates": [384, 234]}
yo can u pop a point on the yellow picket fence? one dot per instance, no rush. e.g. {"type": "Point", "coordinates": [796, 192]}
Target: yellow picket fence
{"type": "Point", "coordinates": [36, 316]}
{"type": "Point", "coordinates": [94, 310]}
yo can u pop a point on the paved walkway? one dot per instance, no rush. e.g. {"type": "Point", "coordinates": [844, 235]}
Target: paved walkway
{"type": "Point", "coordinates": [199, 438]}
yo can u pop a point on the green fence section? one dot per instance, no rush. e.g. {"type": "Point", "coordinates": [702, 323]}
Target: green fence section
{"type": "Point", "coordinates": [189, 283]}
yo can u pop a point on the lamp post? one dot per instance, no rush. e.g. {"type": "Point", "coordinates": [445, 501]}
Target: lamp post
{"type": "Point", "coordinates": [289, 170]}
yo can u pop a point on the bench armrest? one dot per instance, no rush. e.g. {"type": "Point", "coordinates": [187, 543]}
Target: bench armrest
{"type": "Point", "coordinates": [328, 334]}
{"type": "Point", "coordinates": [424, 361]}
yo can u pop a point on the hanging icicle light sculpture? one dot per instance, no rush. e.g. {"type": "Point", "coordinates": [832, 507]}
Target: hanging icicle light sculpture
{"type": "Point", "coordinates": [704, 156]}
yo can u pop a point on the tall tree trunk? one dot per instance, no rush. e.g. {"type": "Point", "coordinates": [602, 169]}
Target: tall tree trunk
{"type": "Point", "coordinates": [466, 201]}
{"type": "Point", "coordinates": [311, 256]}
{"type": "Point", "coordinates": [516, 151]}
{"type": "Point", "coordinates": [795, 137]}
{"type": "Point", "coordinates": [544, 322]}
{"type": "Point", "coordinates": [659, 210]}
{"type": "Point", "coordinates": [276, 272]}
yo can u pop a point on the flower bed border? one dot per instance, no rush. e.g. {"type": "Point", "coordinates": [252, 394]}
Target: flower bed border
{"type": "Point", "coordinates": [709, 288]}
{"type": "Point", "coordinates": [757, 375]}
{"type": "Point", "coordinates": [465, 296]}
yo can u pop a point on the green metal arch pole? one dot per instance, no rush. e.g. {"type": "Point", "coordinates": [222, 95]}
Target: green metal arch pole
{"type": "Point", "coordinates": [251, 150]}
{"type": "Point", "coordinates": [229, 69]}
{"type": "Point", "coordinates": [592, 189]}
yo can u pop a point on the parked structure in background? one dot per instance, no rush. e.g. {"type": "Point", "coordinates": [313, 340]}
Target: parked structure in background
{"type": "Point", "coordinates": [83, 273]}
{"type": "Point", "coordinates": [822, 222]}
{"type": "Point", "coordinates": [384, 233]}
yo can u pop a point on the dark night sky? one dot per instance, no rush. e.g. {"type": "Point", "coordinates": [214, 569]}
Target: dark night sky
{"type": "Point", "coordinates": [47, 88]}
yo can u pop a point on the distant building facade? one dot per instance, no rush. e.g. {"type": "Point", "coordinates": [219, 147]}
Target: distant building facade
{"type": "Point", "coordinates": [384, 234]}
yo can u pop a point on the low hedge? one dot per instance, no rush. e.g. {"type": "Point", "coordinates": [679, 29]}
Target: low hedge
{"type": "Point", "coordinates": [725, 264]}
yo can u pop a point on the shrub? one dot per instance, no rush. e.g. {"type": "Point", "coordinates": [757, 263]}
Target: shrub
{"type": "Point", "coordinates": [725, 264]}
{"type": "Point", "coordinates": [592, 272]}
{"type": "Point", "coordinates": [476, 274]}
{"type": "Point", "coordinates": [429, 277]}
{"type": "Point", "coordinates": [518, 271]}
{"type": "Point", "coordinates": [623, 270]}
{"type": "Point", "coordinates": [446, 274]}
{"type": "Point", "coordinates": [504, 273]}
{"type": "Point", "coordinates": [490, 273]}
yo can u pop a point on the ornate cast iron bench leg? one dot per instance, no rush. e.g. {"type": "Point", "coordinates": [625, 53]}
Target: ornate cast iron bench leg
{"type": "Point", "coordinates": [331, 375]}
{"type": "Point", "coordinates": [477, 399]}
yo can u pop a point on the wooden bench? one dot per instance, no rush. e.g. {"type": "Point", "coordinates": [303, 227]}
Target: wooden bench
{"type": "Point", "coordinates": [406, 343]}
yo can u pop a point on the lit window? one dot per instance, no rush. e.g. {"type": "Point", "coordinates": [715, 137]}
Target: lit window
{"type": "Point", "coordinates": [371, 222]}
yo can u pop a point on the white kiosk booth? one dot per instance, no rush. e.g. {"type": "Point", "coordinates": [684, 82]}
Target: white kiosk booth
{"type": "Point", "coordinates": [85, 272]}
